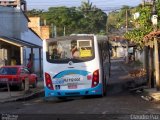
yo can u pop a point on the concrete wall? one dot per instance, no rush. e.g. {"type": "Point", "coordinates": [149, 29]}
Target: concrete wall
{"type": "Point", "coordinates": [34, 24]}
{"type": "Point", "coordinates": [14, 24]}
{"type": "Point", "coordinates": [45, 32]}
{"type": "Point", "coordinates": [121, 52]}
{"type": "Point", "coordinates": [139, 55]}
{"type": "Point", "coordinates": [42, 31]}
{"type": "Point", "coordinates": [3, 57]}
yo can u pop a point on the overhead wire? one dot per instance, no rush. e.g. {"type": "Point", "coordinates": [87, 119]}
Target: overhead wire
{"type": "Point", "coordinates": [69, 3]}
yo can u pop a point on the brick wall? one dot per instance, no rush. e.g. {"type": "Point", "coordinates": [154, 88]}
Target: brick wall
{"type": "Point", "coordinates": [42, 31]}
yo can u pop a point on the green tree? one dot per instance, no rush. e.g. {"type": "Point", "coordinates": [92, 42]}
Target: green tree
{"type": "Point", "coordinates": [86, 7]}
{"type": "Point", "coordinates": [34, 12]}
{"type": "Point", "coordinates": [117, 19]}
{"type": "Point", "coordinates": [144, 25]}
{"type": "Point", "coordinates": [158, 9]}
{"type": "Point", "coordinates": [85, 19]}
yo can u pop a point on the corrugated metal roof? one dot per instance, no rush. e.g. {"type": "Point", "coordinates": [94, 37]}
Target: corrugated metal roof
{"type": "Point", "coordinates": [151, 35]}
{"type": "Point", "coordinates": [18, 42]}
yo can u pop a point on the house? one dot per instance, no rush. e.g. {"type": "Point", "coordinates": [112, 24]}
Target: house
{"type": "Point", "coordinates": [152, 58]}
{"type": "Point", "coordinates": [17, 41]}
{"type": "Point", "coordinates": [39, 27]}
{"type": "Point", "coordinates": [119, 46]}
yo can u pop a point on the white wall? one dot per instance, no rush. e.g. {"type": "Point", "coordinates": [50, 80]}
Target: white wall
{"type": "Point", "coordinates": [29, 36]}
{"type": "Point", "coordinates": [12, 22]}
{"type": "Point", "coordinates": [27, 51]}
{"type": "Point", "coordinates": [121, 52]}
{"type": "Point", "coordinates": [139, 56]}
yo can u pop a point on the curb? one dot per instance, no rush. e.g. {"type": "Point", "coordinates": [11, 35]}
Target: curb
{"type": "Point", "coordinates": [25, 97]}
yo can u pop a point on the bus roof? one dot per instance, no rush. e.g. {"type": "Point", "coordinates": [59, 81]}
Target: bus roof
{"type": "Point", "coordinates": [79, 36]}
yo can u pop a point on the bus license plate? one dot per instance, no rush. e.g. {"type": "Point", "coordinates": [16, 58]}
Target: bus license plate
{"type": "Point", "coordinates": [72, 86]}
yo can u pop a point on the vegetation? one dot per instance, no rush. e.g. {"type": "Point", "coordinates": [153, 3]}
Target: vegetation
{"type": "Point", "coordinates": [89, 19]}
{"type": "Point", "coordinates": [144, 23]}
{"type": "Point", "coordinates": [85, 19]}
{"type": "Point", "coordinates": [142, 27]}
{"type": "Point", "coordinates": [139, 27]}
{"type": "Point", "coordinates": [117, 19]}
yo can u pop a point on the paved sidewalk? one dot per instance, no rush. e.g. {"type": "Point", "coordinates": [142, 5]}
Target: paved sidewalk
{"type": "Point", "coordinates": [119, 77]}
{"type": "Point", "coordinates": [15, 95]}
{"type": "Point", "coordinates": [119, 74]}
{"type": "Point", "coordinates": [150, 94]}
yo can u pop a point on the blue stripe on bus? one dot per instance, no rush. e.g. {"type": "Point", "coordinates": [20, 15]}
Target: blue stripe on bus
{"type": "Point", "coordinates": [82, 92]}
{"type": "Point", "coordinates": [67, 72]}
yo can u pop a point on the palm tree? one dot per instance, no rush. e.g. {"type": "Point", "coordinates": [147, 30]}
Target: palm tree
{"type": "Point", "coordinates": [87, 6]}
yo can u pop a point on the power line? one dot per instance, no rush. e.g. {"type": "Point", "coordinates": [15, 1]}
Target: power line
{"type": "Point", "coordinates": [63, 3]}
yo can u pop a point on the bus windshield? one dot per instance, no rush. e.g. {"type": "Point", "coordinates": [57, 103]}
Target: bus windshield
{"type": "Point", "coordinates": [76, 50]}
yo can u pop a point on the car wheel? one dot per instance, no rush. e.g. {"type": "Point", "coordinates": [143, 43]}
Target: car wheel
{"type": "Point", "coordinates": [22, 86]}
{"type": "Point", "coordinates": [35, 84]}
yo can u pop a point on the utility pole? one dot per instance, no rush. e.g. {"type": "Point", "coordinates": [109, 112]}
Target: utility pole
{"type": "Point", "coordinates": [157, 67]}
{"type": "Point", "coordinates": [151, 57]}
{"type": "Point", "coordinates": [64, 31]}
{"type": "Point", "coordinates": [127, 59]}
{"type": "Point", "coordinates": [54, 31]}
{"type": "Point", "coordinates": [126, 20]}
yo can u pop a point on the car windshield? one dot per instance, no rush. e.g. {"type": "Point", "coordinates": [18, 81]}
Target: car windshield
{"type": "Point", "coordinates": [8, 71]}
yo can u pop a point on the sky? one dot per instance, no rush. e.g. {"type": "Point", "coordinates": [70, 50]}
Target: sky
{"type": "Point", "coordinates": [102, 4]}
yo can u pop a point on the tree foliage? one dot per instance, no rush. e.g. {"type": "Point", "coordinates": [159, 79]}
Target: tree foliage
{"type": "Point", "coordinates": [142, 27]}
{"type": "Point", "coordinates": [139, 27]}
{"type": "Point", "coordinates": [85, 19]}
{"type": "Point", "coordinates": [117, 19]}
{"type": "Point", "coordinates": [144, 23]}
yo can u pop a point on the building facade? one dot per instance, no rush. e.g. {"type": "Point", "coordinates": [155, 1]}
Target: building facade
{"type": "Point", "coordinates": [39, 27]}
{"type": "Point", "coordinates": [17, 41]}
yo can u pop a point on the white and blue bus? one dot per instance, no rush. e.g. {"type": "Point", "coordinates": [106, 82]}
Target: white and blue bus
{"type": "Point", "coordinates": [76, 65]}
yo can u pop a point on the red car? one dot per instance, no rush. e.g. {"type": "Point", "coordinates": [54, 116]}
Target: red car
{"type": "Point", "coordinates": [16, 76]}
